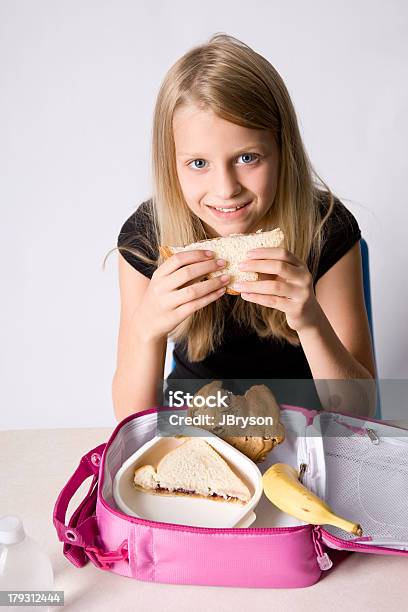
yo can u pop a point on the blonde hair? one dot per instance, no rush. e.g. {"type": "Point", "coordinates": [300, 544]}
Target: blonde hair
{"type": "Point", "coordinates": [227, 77]}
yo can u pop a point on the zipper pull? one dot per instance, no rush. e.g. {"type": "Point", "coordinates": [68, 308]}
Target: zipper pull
{"type": "Point", "coordinates": [105, 559]}
{"type": "Point", "coordinates": [323, 559]}
{"type": "Point", "coordinates": [373, 436]}
{"type": "Point", "coordinates": [302, 470]}
{"type": "Point", "coordinates": [360, 430]}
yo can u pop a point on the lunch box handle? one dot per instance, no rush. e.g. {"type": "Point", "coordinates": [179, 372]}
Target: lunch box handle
{"type": "Point", "coordinates": [82, 529]}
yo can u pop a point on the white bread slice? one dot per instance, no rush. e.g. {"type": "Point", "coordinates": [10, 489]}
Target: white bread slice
{"type": "Point", "coordinates": [233, 249]}
{"type": "Point", "coordinates": [193, 468]}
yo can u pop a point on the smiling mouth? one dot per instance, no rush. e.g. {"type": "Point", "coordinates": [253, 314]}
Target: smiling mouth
{"type": "Point", "coordinates": [229, 210]}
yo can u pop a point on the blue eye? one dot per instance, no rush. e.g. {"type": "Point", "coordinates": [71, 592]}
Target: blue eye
{"type": "Point", "coordinates": [247, 155]}
{"type": "Point", "coordinates": [203, 160]}
{"type": "Point", "coordinates": [194, 160]}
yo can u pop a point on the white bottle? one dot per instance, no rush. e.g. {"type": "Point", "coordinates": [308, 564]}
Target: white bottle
{"type": "Point", "coordinates": [24, 566]}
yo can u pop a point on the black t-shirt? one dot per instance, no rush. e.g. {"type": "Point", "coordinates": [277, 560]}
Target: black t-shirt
{"type": "Point", "coordinates": [243, 354]}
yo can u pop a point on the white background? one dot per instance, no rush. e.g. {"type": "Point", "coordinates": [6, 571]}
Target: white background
{"type": "Point", "coordinates": [78, 86]}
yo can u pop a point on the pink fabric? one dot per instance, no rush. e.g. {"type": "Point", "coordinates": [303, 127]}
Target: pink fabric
{"type": "Point", "coordinates": [178, 554]}
{"type": "Point", "coordinates": [222, 557]}
{"type": "Point", "coordinates": [225, 557]}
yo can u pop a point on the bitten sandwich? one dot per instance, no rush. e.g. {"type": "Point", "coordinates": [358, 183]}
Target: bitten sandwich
{"type": "Point", "coordinates": [196, 469]}
{"type": "Point", "coordinates": [233, 249]}
{"type": "Point", "coordinates": [258, 401]}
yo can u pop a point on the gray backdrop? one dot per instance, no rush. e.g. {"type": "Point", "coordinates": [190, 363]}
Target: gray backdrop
{"type": "Point", "coordinates": [78, 85]}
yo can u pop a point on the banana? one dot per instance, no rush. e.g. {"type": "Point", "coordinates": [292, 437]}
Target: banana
{"type": "Point", "coordinates": [282, 487]}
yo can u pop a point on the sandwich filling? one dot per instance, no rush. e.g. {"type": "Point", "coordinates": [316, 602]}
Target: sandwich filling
{"type": "Point", "coordinates": [186, 492]}
{"type": "Point", "coordinates": [193, 468]}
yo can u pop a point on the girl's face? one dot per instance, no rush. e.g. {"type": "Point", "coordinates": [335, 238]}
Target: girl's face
{"type": "Point", "coordinates": [223, 165]}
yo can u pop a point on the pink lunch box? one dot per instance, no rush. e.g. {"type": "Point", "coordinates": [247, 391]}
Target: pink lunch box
{"type": "Point", "coordinates": [358, 465]}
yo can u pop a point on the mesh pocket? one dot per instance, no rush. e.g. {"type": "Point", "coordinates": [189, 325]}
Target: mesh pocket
{"type": "Point", "coordinates": [368, 484]}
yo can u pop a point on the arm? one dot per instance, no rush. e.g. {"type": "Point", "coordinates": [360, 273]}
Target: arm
{"type": "Point", "coordinates": [135, 385]}
{"type": "Point", "coordinates": [150, 310]}
{"type": "Point", "coordinates": [140, 359]}
{"type": "Point", "coordinates": [338, 346]}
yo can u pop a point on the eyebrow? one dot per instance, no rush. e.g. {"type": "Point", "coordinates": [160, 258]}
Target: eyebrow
{"type": "Point", "coordinates": [242, 150]}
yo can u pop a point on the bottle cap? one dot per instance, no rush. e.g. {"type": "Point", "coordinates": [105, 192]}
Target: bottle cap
{"type": "Point", "coordinates": [11, 529]}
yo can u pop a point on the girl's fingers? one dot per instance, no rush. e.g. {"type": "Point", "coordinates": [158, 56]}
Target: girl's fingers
{"type": "Point", "coordinates": [188, 271]}
{"type": "Point", "coordinates": [187, 308]}
{"type": "Point", "coordinates": [273, 266]}
{"type": "Point", "coordinates": [269, 287]}
{"type": "Point", "coordinates": [177, 261]}
{"type": "Point", "coordinates": [272, 301]}
{"type": "Point", "coordinates": [198, 291]}
{"type": "Point", "coordinates": [274, 253]}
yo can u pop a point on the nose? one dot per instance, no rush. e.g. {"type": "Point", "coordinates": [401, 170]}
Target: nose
{"type": "Point", "coordinates": [226, 185]}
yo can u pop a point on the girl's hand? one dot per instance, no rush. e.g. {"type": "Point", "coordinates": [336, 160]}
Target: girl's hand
{"type": "Point", "coordinates": [284, 283]}
{"type": "Point", "coordinates": [175, 291]}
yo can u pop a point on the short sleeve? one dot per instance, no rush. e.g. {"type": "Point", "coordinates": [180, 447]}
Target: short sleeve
{"type": "Point", "coordinates": [137, 233]}
{"type": "Point", "coordinates": [341, 232]}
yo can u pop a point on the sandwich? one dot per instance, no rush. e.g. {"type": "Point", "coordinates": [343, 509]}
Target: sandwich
{"type": "Point", "coordinates": [233, 249]}
{"type": "Point", "coordinates": [258, 401]}
{"type": "Point", "coordinates": [195, 469]}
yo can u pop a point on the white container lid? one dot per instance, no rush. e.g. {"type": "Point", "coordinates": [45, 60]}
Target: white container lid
{"type": "Point", "coordinates": [180, 510]}
{"type": "Point", "coordinates": [11, 529]}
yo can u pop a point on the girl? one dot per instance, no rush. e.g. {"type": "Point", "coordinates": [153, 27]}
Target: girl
{"type": "Point", "coordinates": [225, 134]}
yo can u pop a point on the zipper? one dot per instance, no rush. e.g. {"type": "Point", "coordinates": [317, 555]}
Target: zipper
{"type": "Point", "coordinates": [339, 544]}
{"type": "Point", "coordinates": [355, 429]}
{"type": "Point", "coordinates": [373, 436]}
{"type": "Point", "coordinates": [302, 470]}
{"type": "Point", "coordinates": [361, 431]}
{"type": "Point", "coordinates": [191, 529]}
{"type": "Point", "coordinates": [150, 415]}
{"type": "Point", "coordinates": [388, 543]}
{"type": "Point", "coordinates": [307, 462]}
{"type": "Point", "coordinates": [371, 433]}
{"type": "Point", "coordinates": [323, 559]}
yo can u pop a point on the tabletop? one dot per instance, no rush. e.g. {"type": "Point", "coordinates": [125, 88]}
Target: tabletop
{"type": "Point", "coordinates": [34, 467]}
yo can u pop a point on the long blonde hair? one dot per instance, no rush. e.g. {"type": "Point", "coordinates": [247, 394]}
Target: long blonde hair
{"type": "Point", "coordinates": [227, 77]}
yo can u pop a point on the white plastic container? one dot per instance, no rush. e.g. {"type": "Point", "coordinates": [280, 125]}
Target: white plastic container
{"type": "Point", "coordinates": [181, 510]}
{"type": "Point", "coordinates": [24, 566]}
